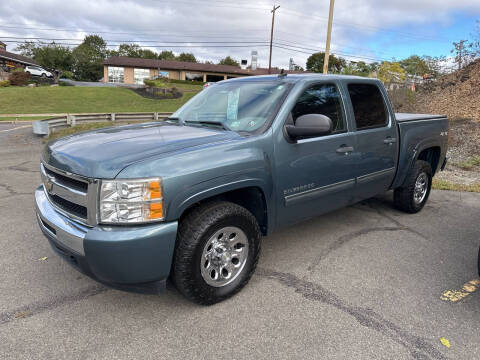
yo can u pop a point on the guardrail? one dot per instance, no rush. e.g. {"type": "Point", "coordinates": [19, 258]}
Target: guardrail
{"type": "Point", "coordinates": [44, 127]}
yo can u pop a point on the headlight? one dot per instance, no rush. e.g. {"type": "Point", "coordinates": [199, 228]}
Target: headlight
{"type": "Point", "coordinates": [131, 201]}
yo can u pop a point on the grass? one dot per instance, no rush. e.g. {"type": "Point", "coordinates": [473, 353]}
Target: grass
{"type": "Point", "coordinates": [73, 99]}
{"type": "Point", "coordinates": [29, 118]}
{"type": "Point", "coordinates": [182, 86]}
{"type": "Point", "coordinates": [439, 184]}
{"type": "Point", "coordinates": [470, 163]}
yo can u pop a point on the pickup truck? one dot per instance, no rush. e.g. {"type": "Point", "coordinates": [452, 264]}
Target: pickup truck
{"type": "Point", "coordinates": [189, 198]}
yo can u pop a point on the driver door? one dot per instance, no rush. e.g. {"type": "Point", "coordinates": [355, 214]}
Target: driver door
{"type": "Point", "coordinates": [315, 175]}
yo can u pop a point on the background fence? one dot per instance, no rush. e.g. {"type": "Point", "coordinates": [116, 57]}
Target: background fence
{"type": "Point", "coordinates": [45, 127]}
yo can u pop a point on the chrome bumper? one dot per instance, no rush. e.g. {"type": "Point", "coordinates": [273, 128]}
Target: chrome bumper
{"type": "Point", "coordinates": [63, 230]}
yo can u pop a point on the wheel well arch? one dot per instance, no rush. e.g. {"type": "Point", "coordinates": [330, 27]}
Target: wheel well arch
{"type": "Point", "coordinates": [251, 198]}
{"type": "Point", "coordinates": [432, 156]}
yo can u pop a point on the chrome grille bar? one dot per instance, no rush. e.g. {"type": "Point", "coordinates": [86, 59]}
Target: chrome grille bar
{"type": "Point", "coordinates": [72, 195]}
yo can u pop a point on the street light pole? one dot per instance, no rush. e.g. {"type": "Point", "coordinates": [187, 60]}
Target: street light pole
{"type": "Point", "coordinates": [329, 36]}
{"type": "Point", "coordinates": [271, 39]}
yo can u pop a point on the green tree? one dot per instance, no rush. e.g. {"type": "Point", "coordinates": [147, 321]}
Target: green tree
{"type": "Point", "coordinates": [134, 50]}
{"type": "Point", "coordinates": [335, 64]}
{"type": "Point", "coordinates": [415, 65]}
{"type": "Point", "coordinates": [229, 61]}
{"type": "Point", "coordinates": [53, 57]}
{"type": "Point", "coordinates": [357, 68]}
{"type": "Point", "coordinates": [189, 57]}
{"type": "Point", "coordinates": [391, 72]}
{"type": "Point", "coordinates": [88, 58]}
{"type": "Point", "coordinates": [166, 55]}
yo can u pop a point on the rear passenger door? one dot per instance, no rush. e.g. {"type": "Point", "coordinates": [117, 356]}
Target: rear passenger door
{"type": "Point", "coordinates": [376, 139]}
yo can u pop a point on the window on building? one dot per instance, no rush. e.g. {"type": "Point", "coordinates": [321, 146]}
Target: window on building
{"type": "Point", "coordinates": [368, 106]}
{"type": "Point", "coordinates": [140, 74]}
{"type": "Point", "coordinates": [115, 74]}
{"type": "Point", "coordinates": [193, 76]}
{"type": "Point", "coordinates": [321, 99]}
{"type": "Point", "coordinates": [214, 78]}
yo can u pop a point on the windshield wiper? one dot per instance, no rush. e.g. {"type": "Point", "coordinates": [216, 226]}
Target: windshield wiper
{"type": "Point", "coordinates": [176, 119]}
{"type": "Point", "coordinates": [209, 122]}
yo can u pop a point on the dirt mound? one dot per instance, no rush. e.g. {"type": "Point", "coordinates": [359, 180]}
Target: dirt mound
{"type": "Point", "coordinates": [456, 95]}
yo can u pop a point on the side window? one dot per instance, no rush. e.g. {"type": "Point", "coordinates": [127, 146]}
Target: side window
{"type": "Point", "coordinates": [368, 106]}
{"type": "Point", "coordinates": [321, 99]}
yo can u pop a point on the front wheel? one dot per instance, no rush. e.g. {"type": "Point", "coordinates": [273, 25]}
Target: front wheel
{"type": "Point", "coordinates": [413, 195]}
{"type": "Point", "coordinates": [217, 250]}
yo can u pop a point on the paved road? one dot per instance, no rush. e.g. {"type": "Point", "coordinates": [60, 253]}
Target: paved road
{"type": "Point", "coordinates": [360, 283]}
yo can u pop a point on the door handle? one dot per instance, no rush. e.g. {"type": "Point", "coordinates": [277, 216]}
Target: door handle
{"type": "Point", "coordinates": [345, 149]}
{"type": "Point", "coordinates": [389, 140]}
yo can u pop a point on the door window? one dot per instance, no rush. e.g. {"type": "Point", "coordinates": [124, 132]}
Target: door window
{"type": "Point", "coordinates": [368, 106]}
{"type": "Point", "coordinates": [321, 99]}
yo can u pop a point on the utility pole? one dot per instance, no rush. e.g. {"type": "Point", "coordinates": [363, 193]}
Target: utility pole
{"type": "Point", "coordinates": [329, 37]}
{"type": "Point", "coordinates": [271, 38]}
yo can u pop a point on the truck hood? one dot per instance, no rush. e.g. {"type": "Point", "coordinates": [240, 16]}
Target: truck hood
{"type": "Point", "coordinates": [104, 153]}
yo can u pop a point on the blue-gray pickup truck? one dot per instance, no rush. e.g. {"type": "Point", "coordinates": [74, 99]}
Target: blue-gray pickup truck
{"type": "Point", "coordinates": [188, 199]}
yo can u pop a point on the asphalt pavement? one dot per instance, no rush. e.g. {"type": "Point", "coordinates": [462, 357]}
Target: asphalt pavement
{"type": "Point", "coordinates": [365, 282]}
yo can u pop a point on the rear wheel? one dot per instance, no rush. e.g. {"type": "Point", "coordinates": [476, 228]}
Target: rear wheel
{"type": "Point", "coordinates": [413, 195]}
{"type": "Point", "coordinates": [217, 250]}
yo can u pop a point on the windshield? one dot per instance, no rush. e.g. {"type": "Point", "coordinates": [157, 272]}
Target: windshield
{"type": "Point", "coordinates": [237, 105]}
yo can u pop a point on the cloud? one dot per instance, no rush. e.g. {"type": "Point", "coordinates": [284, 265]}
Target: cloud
{"type": "Point", "coordinates": [300, 26]}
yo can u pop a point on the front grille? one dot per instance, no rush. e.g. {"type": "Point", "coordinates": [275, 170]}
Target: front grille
{"type": "Point", "coordinates": [69, 207]}
{"type": "Point", "coordinates": [68, 193]}
{"type": "Point", "coordinates": [68, 181]}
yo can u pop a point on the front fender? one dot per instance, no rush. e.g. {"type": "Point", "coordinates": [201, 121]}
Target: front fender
{"type": "Point", "coordinates": [218, 186]}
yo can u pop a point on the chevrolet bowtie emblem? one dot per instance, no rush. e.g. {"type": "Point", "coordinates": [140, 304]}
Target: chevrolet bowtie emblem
{"type": "Point", "coordinates": [49, 185]}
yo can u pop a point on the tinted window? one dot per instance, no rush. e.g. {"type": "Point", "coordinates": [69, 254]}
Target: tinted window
{"type": "Point", "coordinates": [368, 106]}
{"type": "Point", "coordinates": [321, 99]}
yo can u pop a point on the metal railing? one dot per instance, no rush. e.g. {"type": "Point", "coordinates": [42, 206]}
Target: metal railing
{"type": "Point", "coordinates": [45, 127]}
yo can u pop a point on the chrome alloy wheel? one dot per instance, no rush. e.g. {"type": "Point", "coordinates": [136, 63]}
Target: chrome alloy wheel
{"type": "Point", "coordinates": [224, 256]}
{"type": "Point", "coordinates": [421, 188]}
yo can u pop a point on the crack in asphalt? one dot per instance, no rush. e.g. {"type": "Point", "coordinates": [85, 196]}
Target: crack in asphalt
{"type": "Point", "coordinates": [11, 192]}
{"type": "Point", "coordinates": [46, 305]}
{"type": "Point", "coordinates": [22, 168]}
{"type": "Point", "coordinates": [418, 347]}
{"type": "Point", "coordinates": [342, 240]}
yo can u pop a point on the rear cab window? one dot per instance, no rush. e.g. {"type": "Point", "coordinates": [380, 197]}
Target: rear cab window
{"type": "Point", "coordinates": [368, 105]}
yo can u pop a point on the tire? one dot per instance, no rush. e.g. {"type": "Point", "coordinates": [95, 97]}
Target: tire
{"type": "Point", "coordinates": [201, 234]}
{"type": "Point", "coordinates": [44, 75]}
{"type": "Point", "coordinates": [406, 198]}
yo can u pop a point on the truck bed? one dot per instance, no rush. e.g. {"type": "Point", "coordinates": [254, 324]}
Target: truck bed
{"type": "Point", "coordinates": [404, 117]}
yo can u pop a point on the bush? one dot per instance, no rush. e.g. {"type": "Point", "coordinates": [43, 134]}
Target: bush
{"type": "Point", "coordinates": [150, 83]}
{"type": "Point", "coordinates": [191, 82]}
{"type": "Point", "coordinates": [19, 78]}
{"type": "Point", "coordinates": [4, 83]}
{"type": "Point", "coordinates": [67, 75]}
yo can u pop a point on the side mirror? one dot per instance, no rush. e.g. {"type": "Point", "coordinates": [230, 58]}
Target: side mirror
{"type": "Point", "coordinates": [310, 125]}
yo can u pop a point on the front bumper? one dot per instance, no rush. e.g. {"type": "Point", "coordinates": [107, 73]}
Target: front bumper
{"type": "Point", "coordinates": [134, 258]}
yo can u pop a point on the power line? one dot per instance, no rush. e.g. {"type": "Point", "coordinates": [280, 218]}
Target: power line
{"type": "Point", "coordinates": [367, 27]}
{"type": "Point", "coordinates": [131, 41]}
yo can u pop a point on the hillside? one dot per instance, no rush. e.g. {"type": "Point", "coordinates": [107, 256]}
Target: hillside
{"type": "Point", "coordinates": [456, 95]}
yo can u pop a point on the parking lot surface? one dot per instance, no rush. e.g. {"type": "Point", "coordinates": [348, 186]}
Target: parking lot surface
{"type": "Point", "coordinates": [366, 282]}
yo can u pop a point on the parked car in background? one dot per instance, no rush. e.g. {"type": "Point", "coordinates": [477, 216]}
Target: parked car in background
{"type": "Point", "coordinates": [38, 71]}
{"type": "Point", "coordinates": [191, 197]}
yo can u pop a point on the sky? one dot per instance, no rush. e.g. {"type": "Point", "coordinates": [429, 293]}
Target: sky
{"type": "Point", "coordinates": [373, 30]}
